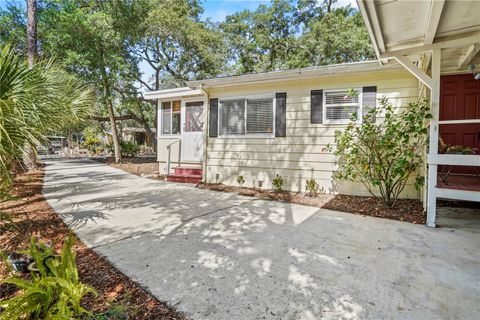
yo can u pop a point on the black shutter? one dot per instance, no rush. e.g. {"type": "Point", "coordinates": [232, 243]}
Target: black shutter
{"type": "Point", "coordinates": [369, 101]}
{"type": "Point", "coordinates": [213, 120]}
{"type": "Point", "coordinates": [316, 106]}
{"type": "Point", "coordinates": [281, 114]}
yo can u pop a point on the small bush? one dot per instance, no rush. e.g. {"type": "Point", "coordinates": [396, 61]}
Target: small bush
{"type": "Point", "coordinates": [312, 187]}
{"type": "Point", "coordinates": [54, 292]}
{"type": "Point", "coordinates": [240, 181]}
{"type": "Point", "coordinates": [91, 144]}
{"type": "Point", "coordinates": [278, 182]}
{"type": "Point", "coordinates": [129, 149]}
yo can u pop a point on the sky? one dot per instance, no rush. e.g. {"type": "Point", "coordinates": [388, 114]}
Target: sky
{"type": "Point", "coordinates": [217, 10]}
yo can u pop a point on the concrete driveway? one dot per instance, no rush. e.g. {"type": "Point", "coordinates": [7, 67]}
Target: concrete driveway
{"type": "Point", "coordinates": [222, 256]}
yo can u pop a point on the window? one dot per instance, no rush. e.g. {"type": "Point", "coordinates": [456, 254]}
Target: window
{"type": "Point", "coordinates": [339, 106]}
{"type": "Point", "coordinates": [171, 117]}
{"type": "Point", "coordinates": [260, 115]}
{"type": "Point", "coordinates": [247, 116]}
{"type": "Point", "coordinates": [193, 116]}
{"type": "Point", "coordinates": [232, 115]}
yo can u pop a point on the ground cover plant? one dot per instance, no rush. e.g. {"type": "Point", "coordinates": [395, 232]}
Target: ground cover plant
{"type": "Point", "coordinates": [53, 291]}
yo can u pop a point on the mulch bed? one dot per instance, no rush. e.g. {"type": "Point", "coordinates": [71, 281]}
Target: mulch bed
{"type": "Point", "coordinates": [137, 166]}
{"type": "Point", "coordinates": [405, 209]}
{"type": "Point", "coordinates": [31, 215]}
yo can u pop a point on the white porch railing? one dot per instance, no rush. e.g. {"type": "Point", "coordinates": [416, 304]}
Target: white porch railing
{"type": "Point", "coordinates": [169, 151]}
{"type": "Point", "coordinates": [434, 159]}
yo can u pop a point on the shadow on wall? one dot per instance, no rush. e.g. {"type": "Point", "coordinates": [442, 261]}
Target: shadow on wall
{"type": "Point", "coordinates": [296, 158]}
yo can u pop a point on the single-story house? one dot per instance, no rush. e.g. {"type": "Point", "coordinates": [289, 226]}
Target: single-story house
{"type": "Point", "coordinates": [260, 125]}
{"type": "Point", "coordinates": [136, 135]}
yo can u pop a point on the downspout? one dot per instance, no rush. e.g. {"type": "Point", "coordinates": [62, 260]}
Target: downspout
{"type": "Point", "coordinates": [205, 131]}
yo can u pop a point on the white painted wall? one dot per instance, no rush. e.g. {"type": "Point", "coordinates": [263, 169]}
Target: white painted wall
{"type": "Point", "coordinates": [299, 156]}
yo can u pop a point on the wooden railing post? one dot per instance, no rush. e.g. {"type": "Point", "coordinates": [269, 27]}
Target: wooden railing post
{"type": "Point", "coordinates": [433, 143]}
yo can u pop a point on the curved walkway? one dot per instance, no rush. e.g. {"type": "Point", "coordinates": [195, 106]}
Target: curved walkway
{"type": "Point", "coordinates": [222, 256]}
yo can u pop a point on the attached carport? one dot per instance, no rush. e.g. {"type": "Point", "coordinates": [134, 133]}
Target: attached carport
{"type": "Point", "coordinates": [430, 38]}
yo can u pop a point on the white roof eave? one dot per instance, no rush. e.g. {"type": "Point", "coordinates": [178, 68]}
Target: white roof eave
{"type": "Point", "coordinates": [302, 73]}
{"type": "Point", "coordinates": [173, 93]}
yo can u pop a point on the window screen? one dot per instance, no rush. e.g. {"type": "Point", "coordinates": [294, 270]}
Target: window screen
{"type": "Point", "coordinates": [339, 106]}
{"type": "Point", "coordinates": [232, 116]}
{"type": "Point", "coordinates": [166, 118]}
{"type": "Point", "coordinates": [260, 115]}
{"type": "Point", "coordinates": [171, 117]}
{"type": "Point", "coordinates": [176, 108]}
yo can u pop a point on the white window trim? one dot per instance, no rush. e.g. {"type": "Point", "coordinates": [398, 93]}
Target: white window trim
{"type": "Point", "coordinates": [171, 119]}
{"type": "Point", "coordinates": [247, 135]}
{"type": "Point", "coordinates": [343, 121]}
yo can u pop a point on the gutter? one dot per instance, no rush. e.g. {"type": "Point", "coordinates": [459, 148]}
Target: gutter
{"type": "Point", "coordinates": [295, 74]}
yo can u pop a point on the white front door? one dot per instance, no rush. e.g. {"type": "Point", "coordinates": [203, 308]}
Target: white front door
{"type": "Point", "coordinates": [192, 130]}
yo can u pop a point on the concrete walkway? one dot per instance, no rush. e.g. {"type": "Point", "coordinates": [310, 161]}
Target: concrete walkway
{"type": "Point", "coordinates": [221, 256]}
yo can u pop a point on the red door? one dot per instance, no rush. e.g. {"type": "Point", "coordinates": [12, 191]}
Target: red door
{"type": "Point", "coordinates": [460, 100]}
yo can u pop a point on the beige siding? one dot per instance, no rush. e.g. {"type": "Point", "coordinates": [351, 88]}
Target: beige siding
{"type": "Point", "coordinates": [299, 156]}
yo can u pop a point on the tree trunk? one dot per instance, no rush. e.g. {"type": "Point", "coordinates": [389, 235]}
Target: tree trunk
{"type": "Point", "coordinates": [29, 154]}
{"type": "Point", "coordinates": [330, 4]}
{"type": "Point", "coordinates": [70, 142]}
{"type": "Point", "coordinates": [150, 136]}
{"type": "Point", "coordinates": [31, 31]}
{"type": "Point", "coordinates": [111, 114]}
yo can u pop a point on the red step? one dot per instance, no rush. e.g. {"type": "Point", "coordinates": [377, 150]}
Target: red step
{"type": "Point", "coordinates": [188, 170]}
{"type": "Point", "coordinates": [184, 178]}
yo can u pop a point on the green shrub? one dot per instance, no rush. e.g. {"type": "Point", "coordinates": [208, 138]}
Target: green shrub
{"type": "Point", "coordinates": [54, 292]}
{"type": "Point", "coordinates": [278, 182]}
{"type": "Point", "coordinates": [240, 181]}
{"type": "Point", "coordinates": [312, 187]}
{"type": "Point", "coordinates": [384, 154]}
{"type": "Point", "coordinates": [91, 144]}
{"type": "Point", "coordinates": [129, 149]}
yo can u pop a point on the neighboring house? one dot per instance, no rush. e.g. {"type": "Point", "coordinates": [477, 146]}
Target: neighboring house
{"type": "Point", "coordinates": [259, 125]}
{"type": "Point", "coordinates": [137, 135]}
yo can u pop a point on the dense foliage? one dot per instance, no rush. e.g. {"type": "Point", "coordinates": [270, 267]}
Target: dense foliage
{"type": "Point", "coordinates": [53, 292]}
{"type": "Point", "coordinates": [383, 155]}
{"type": "Point", "coordinates": [34, 102]}
{"type": "Point", "coordinates": [123, 47]}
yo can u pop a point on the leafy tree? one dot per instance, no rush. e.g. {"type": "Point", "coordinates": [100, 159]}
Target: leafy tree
{"type": "Point", "coordinates": [13, 30]}
{"type": "Point", "coordinates": [90, 45]}
{"type": "Point", "coordinates": [33, 102]}
{"type": "Point", "coordinates": [383, 154]}
{"type": "Point", "coordinates": [262, 40]}
{"type": "Point", "coordinates": [283, 36]}
{"type": "Point", "coordinates": [309, 10]}
{"type": "Point", "coordinates": [336, 37]}
{"type": "Point", "coordinates": [176, 43]}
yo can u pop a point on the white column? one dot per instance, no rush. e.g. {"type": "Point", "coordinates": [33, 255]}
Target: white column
{"type": "Point", "coordinates": [433, 146]}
